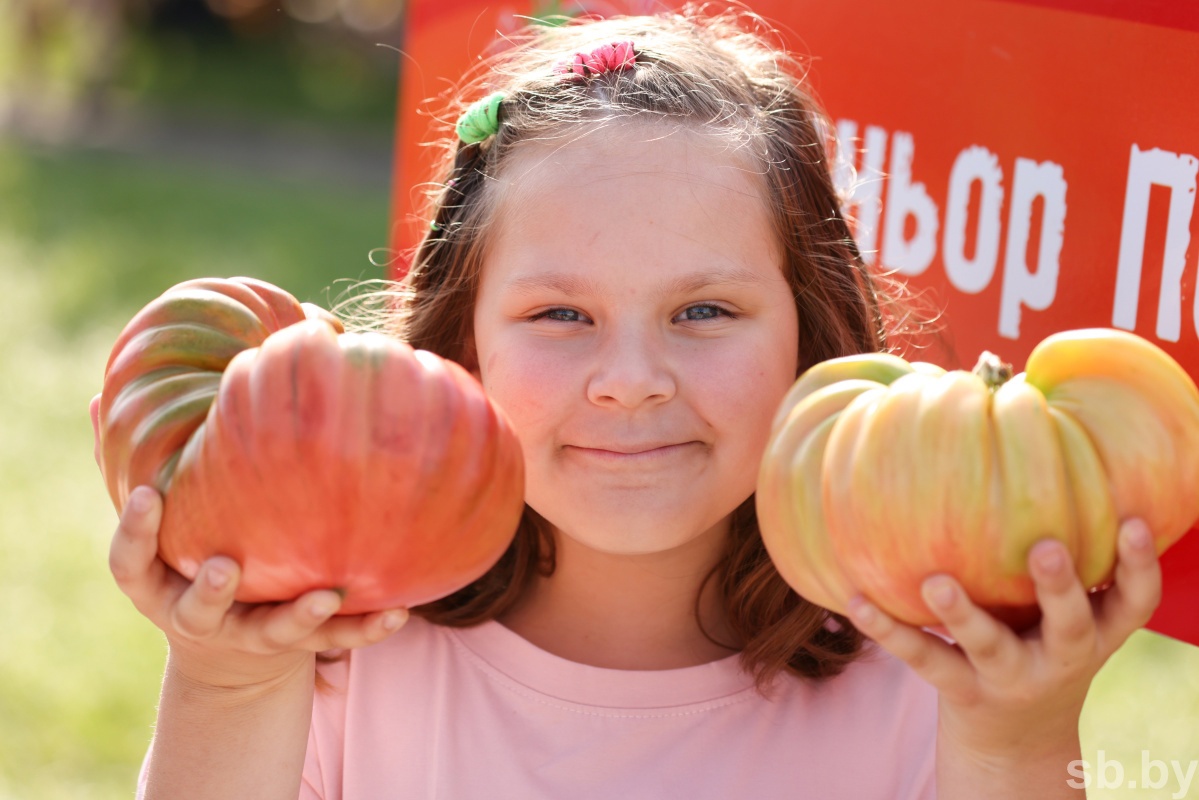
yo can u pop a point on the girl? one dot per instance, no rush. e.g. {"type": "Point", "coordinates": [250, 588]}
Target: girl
{"type": "Point", "coordinates": [636, 247]}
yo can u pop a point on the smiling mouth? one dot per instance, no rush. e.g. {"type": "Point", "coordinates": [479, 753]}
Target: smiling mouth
{"type": "Point", "coordinates": [614, 456]}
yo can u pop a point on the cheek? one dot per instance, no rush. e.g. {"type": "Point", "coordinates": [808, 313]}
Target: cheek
{"type": "Point", "coordinates": [524, 386]}
{"type": "Point", "coordinates": [741, 390]}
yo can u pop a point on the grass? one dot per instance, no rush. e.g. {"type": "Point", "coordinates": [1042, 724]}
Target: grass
{"type": "Point", "coordinates": [85, 241]}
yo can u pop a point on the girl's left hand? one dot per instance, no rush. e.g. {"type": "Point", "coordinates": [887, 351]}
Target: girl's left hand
{"type": "Point", "coordinates": [1008, 697]}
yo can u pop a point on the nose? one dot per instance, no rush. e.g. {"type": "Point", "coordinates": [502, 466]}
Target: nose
{"type": "Point", "coordinates": [632, 368]}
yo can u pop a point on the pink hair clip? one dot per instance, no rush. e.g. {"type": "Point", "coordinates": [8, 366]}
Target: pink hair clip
{"type": "Point", "coordinates": [604, 58]}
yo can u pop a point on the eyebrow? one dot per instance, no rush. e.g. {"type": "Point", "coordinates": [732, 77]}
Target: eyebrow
{"type": "Point", "coordinates": [576, 286]}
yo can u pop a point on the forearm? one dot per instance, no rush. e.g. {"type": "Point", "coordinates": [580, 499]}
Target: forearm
{"type": "Point", "coordinates": [212, 742]}
{"type": "Point", "coordinates": [1043, 774]}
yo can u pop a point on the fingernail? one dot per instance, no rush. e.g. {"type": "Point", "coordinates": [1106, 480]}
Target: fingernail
{"type": "Point", "coordinates": [943, 593]}
{"type": "Point", "coordinates": [139, 503]}
{"type": "Point", "coordinates": [322, 607]}
{"type": "Point", "coordinates": [1139, 538]}
{"type": "Point", "coordinates": [392, 620]}
{"type": "Point", "coordinates": [218, 576]}
{"type": "Point", "coordinates": [861, 611]}
{"type": "Point", "coordinates": [1050, 559]}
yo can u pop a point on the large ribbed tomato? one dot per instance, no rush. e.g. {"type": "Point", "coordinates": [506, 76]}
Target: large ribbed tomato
{"type": "Point", "coordinates": [316, 459]}
{"type": "Point", "coordinates": [879, 473]}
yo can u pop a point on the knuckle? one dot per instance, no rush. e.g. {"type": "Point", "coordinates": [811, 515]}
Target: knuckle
{"type": "Point", "coordinates": [970, 694]}
{"type": "Point", "coordinates": [880, 631]}
{"type": "Point", "coordinates": [124, 568]}
{"type": "Point", "coordinates": [323, 639]}
{"type": "Point", "coordinates": [1076, 629]}
{"type": "Point", "coordinates": [121, 571]}
{"type": "Point", "coordinates": [375, 632]}
{"type": "Point", "coordinates": [1075, 668]}
{"type": "Point", "coordinates": [918, 658]}
{"type": "Point", "coordinates": [956, 617]}
{"type": "Point", "coordinates": [332, 640]}
{"type": "Point", "coordinates": [1024, 695]}
{"type": "Point", "coordinates": [987, 649]}
{"type": "Point", "coordinates": [275, 638]}
{"type": "Point", "coordinates": [266, 645]}
{"type": "Point", "coordinates": [959, 614]}
{"type": "Point", "coordinates": [191, 625]}
{"type": "Point", "coordinates": [283, 634]}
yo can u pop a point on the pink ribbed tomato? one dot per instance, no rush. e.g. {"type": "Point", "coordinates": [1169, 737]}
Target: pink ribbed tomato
{"type": "Point", "coordinates": [879, 473]}
{"type": "Point", "coordinates": [316, 459]}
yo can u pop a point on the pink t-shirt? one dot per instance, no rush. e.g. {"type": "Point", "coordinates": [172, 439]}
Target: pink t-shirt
{"type": "Point", "coordinates": [435, 712]}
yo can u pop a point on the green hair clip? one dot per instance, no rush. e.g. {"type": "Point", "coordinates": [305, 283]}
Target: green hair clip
{"type": "Point", "coordinates": [481, 119]}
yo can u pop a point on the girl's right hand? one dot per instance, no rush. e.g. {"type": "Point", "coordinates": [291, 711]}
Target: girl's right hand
{"type": "Point", "coordinates": [215, 641]}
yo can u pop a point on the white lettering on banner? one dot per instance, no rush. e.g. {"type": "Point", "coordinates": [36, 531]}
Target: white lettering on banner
{"type": "Point", "coordinates": [1147, 168]}
{"type": "Point", "coordinates": [864, 192]}
{"type": "Point", "coordinates": [904, 199]}
{"type": "Point", "coordinates": [1021, 286]}
{"type": "Point", "coordinates": [972, 275]}
{"type": "Point", "coordinates": [1029, 280]}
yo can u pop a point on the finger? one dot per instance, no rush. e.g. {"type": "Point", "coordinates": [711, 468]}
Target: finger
{"type": "Point", "coordinates": [1068, 620]}
{"type": "Point", "coordinates": [201, 608]}
{"type": "Point", "coordinates": [133, 555]}
{"type": "Point", "coordinates": [994, 650]}
{"type": "Point", "coordinates": [930, 657]}
{"type": "Point", "coordinates": [288, 624]}
{"type": "Point", "coordinates": [343, 633]}
{"type": "Point", "coordinates": [1137, 589]}
{"type": "Point", "coordinates": [94, 412]}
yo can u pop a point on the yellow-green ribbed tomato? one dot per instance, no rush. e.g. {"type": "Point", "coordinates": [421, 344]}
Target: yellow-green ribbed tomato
{"type": "Point", "coordinates": [881, 472]}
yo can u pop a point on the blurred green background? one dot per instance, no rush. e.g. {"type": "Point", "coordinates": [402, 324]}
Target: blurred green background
{"type": "Point", "coordinates": [144, 143]}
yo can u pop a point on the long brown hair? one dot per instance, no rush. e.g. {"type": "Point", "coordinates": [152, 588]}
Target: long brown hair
{"type": "Point", "coordinates": [715, 73]}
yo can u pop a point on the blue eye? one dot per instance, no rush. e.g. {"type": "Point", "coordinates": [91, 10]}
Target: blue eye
{"type": "Point", "coordinates": [714, 313]}
{"type": "Point", "coordinates": [716, 309]}
{"type": "Point", "coordinates": [546, 314]}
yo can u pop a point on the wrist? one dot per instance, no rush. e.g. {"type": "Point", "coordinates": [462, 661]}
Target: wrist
{"type": "Point", "coordinates": [236, 681]}
{"type": "Point", "coordinates": [1045, 730]}
{"type": "Point", "coordinates": [986, 767]}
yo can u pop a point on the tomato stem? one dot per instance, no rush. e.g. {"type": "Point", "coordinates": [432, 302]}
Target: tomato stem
{"type": "Point", "coordinates": [993, 370]}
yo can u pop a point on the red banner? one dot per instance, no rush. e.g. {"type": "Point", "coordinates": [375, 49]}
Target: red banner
{"type": "Point", "coordinates": [1028, 165]}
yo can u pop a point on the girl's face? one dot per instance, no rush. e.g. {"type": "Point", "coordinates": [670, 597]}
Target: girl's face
{"type": "Point", "coordinates": [634, 324]}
